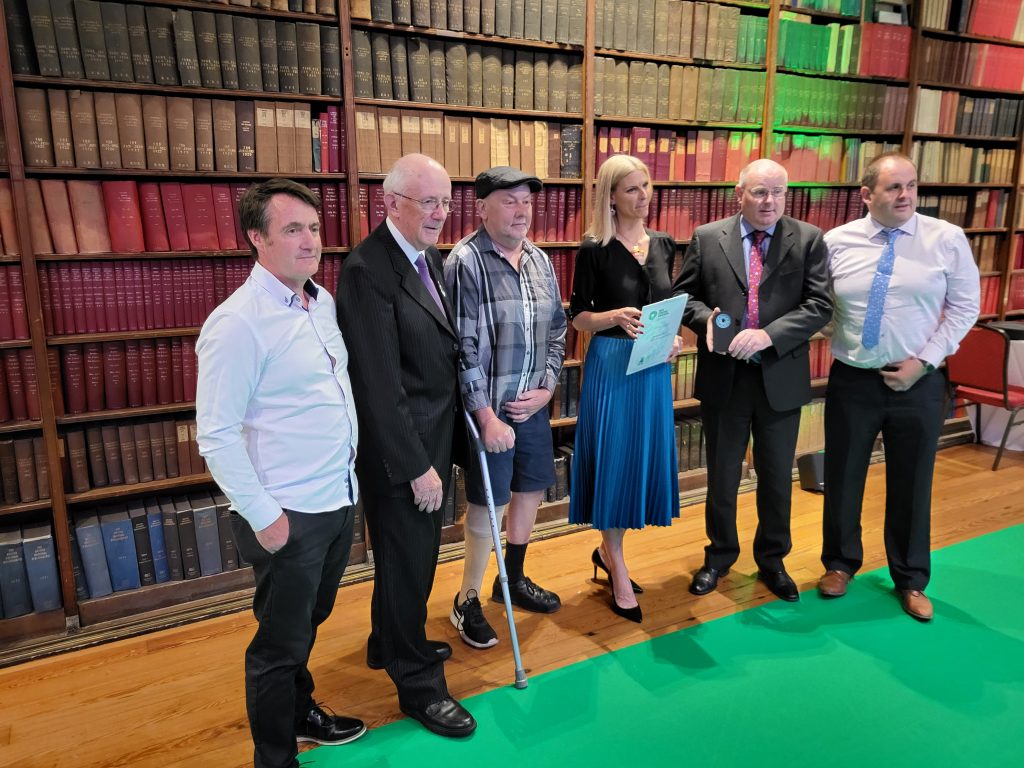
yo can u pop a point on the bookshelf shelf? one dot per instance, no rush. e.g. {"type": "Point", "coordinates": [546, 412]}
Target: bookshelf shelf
{"type": "Point", "coordinates": [1010, 140]}
{"type": "Point", "coordinates": [948, 35]}
{"type": "Point", "coordinates": [967, 88]}
{"type": "Point", "coordinates": [623, 120]}
{"type": "Point", "coordinates": [16, 344]}
{"type": "Point", "coordinates": [964, 185]}
{"type": "Point", "coordinates": [169, 90]}
{"type": "Point", "coordinates": [165, 255]}
{"type": "Point", "coordinates": [834, 131]}
{"type": "Point", "coordinates": [247, 11]}
{"type": "Point", "coordinates": [846, 76]}
{"type": "Point", "coordinates": [824, 15]}
{"type": "Point", "coordinates": [25, 425]}
{"type": "Point", "coordinates": [565, 422]}
{"type": "Point", "coordinates": [7, 258]}
{"type": "Point", "coordinates": [469, 37]}
{"type": "Point", "coordinates": [572, 363]}
{"type": "Point", "coordinates": [614, 53]}
{"type": "Point", "coordinates": [142, 173]}
{"type": "Point", "coordinates": [125, 413]}
{"type": "Point", "coordinates": [988, 316]}
{"type": "Point", "coordinates": [743, 4]}
{"type": "Point", "coordinates": [526, 114]}
{"type": "Point", "coordinates": [549, 182]}
{"type": "Point", "coordinates": [155, 333]}
{"type": "Point", "coordinates": [693, 184]}
{"type": "Point", "coordinates": [985, 230]}
{"type": "Point", "coordinates": [991, 274]}
{"type": "Point", "coordinates": [9, 510]}
{"type": "Point", "coordinates": [170, 485]}
{"type": "Point", "coordinates": [31, 625]}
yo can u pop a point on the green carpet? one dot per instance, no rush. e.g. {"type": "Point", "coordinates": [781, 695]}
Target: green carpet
{"type": "Point", "coordinates": [851, 682]}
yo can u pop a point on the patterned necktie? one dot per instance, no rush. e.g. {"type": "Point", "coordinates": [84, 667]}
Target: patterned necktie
{"type": "Point", "coordinates": [879, 286]}
{"type": "Point", "coordinates": [428, 282]}
{"type": "Point", "coordinates": [754, 279]}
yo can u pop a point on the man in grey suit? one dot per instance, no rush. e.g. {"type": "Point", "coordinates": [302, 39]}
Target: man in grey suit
{"type": "Point", "coordinates": [404, 353]}
{"type": "Point", "coordinates": [756, 385]}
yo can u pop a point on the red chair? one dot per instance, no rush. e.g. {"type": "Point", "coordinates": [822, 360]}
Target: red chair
{"type": "Point", "coordinates": [978, 373]}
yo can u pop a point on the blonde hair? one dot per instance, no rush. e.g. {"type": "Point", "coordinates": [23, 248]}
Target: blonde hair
{"type": "Point", "coordinates": [612, 171]}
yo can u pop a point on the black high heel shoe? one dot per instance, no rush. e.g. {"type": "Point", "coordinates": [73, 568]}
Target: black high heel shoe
{"type": "Point", "coordinates": [631, 614]}
{"type": "Point", "coordinates": [595, 558]}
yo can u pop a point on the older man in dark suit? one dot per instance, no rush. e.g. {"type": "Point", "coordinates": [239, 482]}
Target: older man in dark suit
{"type": "Point", "coordinates": [768, 271]}
{"type": "Point", "coordinates": [404, 351]}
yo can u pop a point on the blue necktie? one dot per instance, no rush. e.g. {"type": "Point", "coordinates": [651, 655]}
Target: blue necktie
{"type": "Point", "coordinates": [879, 286]}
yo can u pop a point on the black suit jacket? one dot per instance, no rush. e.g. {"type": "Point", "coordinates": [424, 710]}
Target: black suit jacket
{"type": "Point", "coordinates": [794, 304]}
{"type": "Point", "coordinates": [403, 362]}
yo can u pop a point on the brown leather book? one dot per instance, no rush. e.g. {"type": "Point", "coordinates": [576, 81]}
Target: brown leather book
{"type": "Point", "coordinates": [457, 73]}
{"type": "Point", "coordinates": [106, 129]}
{"type": "Point", "coordinates": [208, 49]}
{"type": "Point", "coordinates": [419, 69]}
{"type": "Point", "coordinates": [265, 136]}
{"type": "Point", "coordinates": [155, 436]}
{"type": "Point", "coordinates": [303, 138]}
{"type": "Point", "coordinates": [94, 454]}
{"type": "Point", "coordinates": [143, 452]}
{"type": "Point", "coordinates": [330, 60]}
{"type": "Point", "coordinates": [268, 54]}
{"type": "Point", "coordinates": [474, 76]}
{"type": "Point", "coordinates": [288, 58]}
{"type": "Point", "coordinates": [181, 134]}
{"type": "Point", "coordinates": [411, 131]}
{"type": "Point", "coordinates": [170, 438]}
{"type": "Point", "coordinates": [24, 461]}
{"type": "Point", "coordinates": [89, 17]}
{"type": "Point", "coordinates": [92, 361]}
{"type": "Point", "coordinates": [307, 40]}
{"type": "Point", "coordinates": [118, 43]}
{"type": "Point", "coordinates": [60, 125]}
{"type": "Point", "coordinates": [285, 126]}
{"type": "Point", "coordinates": [432, 135]}
{"type": "Point", "coordinates": [78, 460]}
{"type": "Point", "coordinates": [39, 230]}
{"type": "Point", "coordinates": [41, 22]}
{"type": "Point", "coordinates": [438, 76]}
{"type": "Point", "coordinates": [154, 123]}
{"type": "Point", "coordinates": [129, 456]}
{"type": "Point", "coordinates": [367, 141]}
{"type": "Point", "coordinates": [226, 50]}
{"type": "Point", "coordinates": [450, 135]}
{"type": "Point", "coordinates": [9, 472]}
{"type": "Point", "coordinates": [58, 214]}
{"type": "Point", "coordinates": [87, 210]}
{"type": "Point", "coordinates": [202, 111]}
{"type": "Point", "coordinates": [481, 146]}
{"type": "Point", "coordinates": [389, 125]}
{"type": "Point", "coordinates": [245, 135]}
{"type": "Point", "coordinates": [524, 80]}
{"type": "Point", "coordinates": [182, 449]}
{"type": "Point", "coordinates": [124, 219]}
{"type": "Point", "coordinates": [247, 53]}
{"type": "Point", "coordinates": [138, 42]}
{"type": "Point", "coordinates": [83, 128]}
{"type": "Point", "coordinates": [112, 454]}
{"type": "Point", "coordinates": [362, 64]}
{"type": "Point", "coordinates": [554, 150]}
{"type": "Point", "coordinates": [66, 34]}
{"type": "Point", "coordinates": [160, 24]}
{"type": "Point", "coordinates": [225, 149]}
{"type": "Point", "coordinates": [131, 131]}
{"type": "Point", "coordinates": [34, 121]}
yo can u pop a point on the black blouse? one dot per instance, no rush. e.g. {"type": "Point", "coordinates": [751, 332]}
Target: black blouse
{"type": "Point", "coordinates": [609, 276]}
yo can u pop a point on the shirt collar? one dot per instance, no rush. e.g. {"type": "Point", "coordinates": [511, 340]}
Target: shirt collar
{"type": "Point", "coordinates": [407, 248]}
{"type": "Point", "coordinates": [746, 229]}
{"type": "Point", "coordinates": [485, 243]}
{"type": "Point", "coordinates": [278, 290]}
{"type": "Point", "coordinates": [909, 227]}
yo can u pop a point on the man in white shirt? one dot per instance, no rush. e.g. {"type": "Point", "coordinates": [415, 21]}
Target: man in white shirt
{"type": "Point", "coordinates": [277, 427]}
{"type": "Point", "coordinates": [906, 291]}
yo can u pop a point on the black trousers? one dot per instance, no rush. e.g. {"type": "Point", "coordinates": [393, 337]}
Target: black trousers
{"type": "Point", "coordinates": [727, 430]}
{"type": "Point", "coordinates": [405, 542]}
{"type": "Point", "coordinates": [858, 405]}
{"type": "Point", "coordinates": [295, 592]}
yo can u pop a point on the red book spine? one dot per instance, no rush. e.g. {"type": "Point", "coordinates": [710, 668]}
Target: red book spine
{"type": "Point", "coordinates": [551, 215]}
{"type": "Point", "coordinates": [195, 295]}
{"type": "Point", "coordinates": [325, 144]}
{"type": "Point", "coordinates": [342, 148]}
{"type": "Point", "coordinates": [51, 313]}
{"type": "Point", "coordinates": [343, 220]}
{"type": "Point", "coordinates": [122, 275]}
{"type": "Point", "coordinates": [333, 141]}
{"type": "Point", "coordinates": [5, 403]}
{"type": "Point", "coordinates": [538, 231]}
{"type": "Point", "coordinates": [73, 366]}
{"type": "Point", "coordinates": [108, 286]}
{"type": "Point", "coordinates": [133, 372]}
{"type": "Point", "coordinates": [237, 191]}
{"type": "Point", "coordinates": [15, 385]}
{"type": "Point", "coordinates": [6, 323]}
{"type": "Point", "coordinates": [139, 296]}
{"type": "Point", "coordinates": [153, 317]}
{"type": "Point", "coordinates": [456, 214]}
{"type": "Point", "coordinates": [164, 372]}
{"type": "Point", "coordinates": [115, 387]}
{"type": "Point", "coordinates": [223, 210]}
{"type": "Point", "coordinates": [174, 215]}
{"type": "Point", "coordinates": [53, 364]}
{"type": "Point", "coordinates": [31, 381]}
{"type": "Point", "coordinates": [220, 281]}
{"type": "Point", "coordinates": [331, 214]}
{"type": "Point", "coordinates": [87, 289]}
{"type": "Point", "coordinates": [200, 217]}
{"type": "Point", "coordinates": [206, 283]}
{"type": "Point", "coordinates": [177, 380]}
{"type": "Point", "coordinates": [92, 354]}
{"type": "Point", "coordinates": [188, 368]}
{"type": "Point", "coordinates": [378, 210]}
{"type": "Point", "coordinates": [468, 211]}
{"type": "Point", "coordinates": [178, 302]}
{"type": "Point", "coordinates": [154, 227]}
{"type": "Point", "coordinates": [16, 290]}
{"type": "Point", "coordinates": [124, 218]}
{"type": "Point", "coordinates": [148, 372]}
{"type": "Point", "coordinates": [364, 210]}
{"type": "Point", "coordinates": [560, 220]}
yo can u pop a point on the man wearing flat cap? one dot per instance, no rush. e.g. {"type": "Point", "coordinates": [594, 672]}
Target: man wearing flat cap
{"type": "Point", "coordinates": [511, 328]}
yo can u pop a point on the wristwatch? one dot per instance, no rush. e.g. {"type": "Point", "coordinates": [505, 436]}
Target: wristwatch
{"type": "Point", "coordinates": [928, 367]}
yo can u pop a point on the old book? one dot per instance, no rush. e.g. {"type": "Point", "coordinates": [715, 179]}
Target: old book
{"type": "Point", "coordinates": [474, 76]}
{"type": "Point", "coordinates": [245, 135]}
{"type": "Point", "coordinates": [58, 212]}
{"type": "Point", "coordinates": [181, 134]}
{"type": "Point", "coordinates": [247, 53]}
{"type": "Point", "coordinates": [65, 31]}
{"type": "Point", "coordinates": [83, 128]}
{"type": "Point", "coordinates": [399, 54]}
{"type": "Point", "coordinates": [89, 19]}
{"type": "Point", "coordinates": [42, 467]}
{"type": "Point", "coordinates": [130, 129]}
{"type": "Point", "coordinates": [389, 126]}
{"type": "Point", "coordinates": [33, 119]}
{"type": "Point", "coordinates": [78, 460]}
{"type": "Point", "coordinates": [380, 48]}
{"type": "Point", "coordinates": [491, 76]}
{"type": "Point", "coordinates": [508, 78]}
{"type": "Point", "coordinates": [106, 129]}
{"type": "Point", "coordinates": [362, 64]}
{"type": "Point", "coordinates": [143, 452]}
{"type": "Point", "coordinates": [285, 130]}
{"type": "Point", "coordinates": [268, 54]}
{"type": "Point", "coordinates": [499, 142]}
{"type": "Point", "coordinates": [438, 77]}
{"type": "Point", "coordinates": [487, 17]}
{"type": "Point", "coordinates": [39, 235]}
{"type": "Point", "coordinates": [138, 43]}
{"type": "Point", "coordinates": [226, 50]}
{"type": "Point", "coordinates": [307, 38]}
{"type": "Point", "coordinates": [367, 141]}
{"type": "Point", "coordinates": [202, 111]}
{"type": "Point", "coordinates": [187, 538]}
{"type": "Point", "coordinates": [330, 61]}
{"type": "Point", "coordinates": [287, 58]}
{"type": "Point", "coordinates": [432, 135]}
{"type": "Point", "coordinates": [143, 546]}
{"type": "Point", "coordinates": [558, 75]}
{"type": "Point", "coordinates": [534, 12]}
{"type": "Point", "coordinates": [481, 145]}
{"type": "Point", "coordinates": [439, 14]}
{"type": "Point", "coordinates": [266, 137]}
{"type": "Point", "coordinates": [204, 512]}
{"type": "Point", "coordinates": [541, 66]}
{"type": "Point", "coordinates": [60, 125]}
{"type": "Point", "coordinates": [503, 17]}
{"type": "Point", "coordinates": [154, 122]}
{"type": "Point", "coordinates": [160, 24]}
{"type": "Point", "coordinates": [419, 69]}
{"type": "Point", "coordinates": [303, 138]}
{"type": "Point", "coordinates": [572, 151]}
{"type": "Point", "coordinates": [118, 44]}
{"type": "Point", "coordinates": [224, 147]}
{"type": "Point", "coordinates": [43, 35]}
{"type": "Point", "coordinates": [208, 49]}
{"type": "Point", "coordinates": [94, 559]}
{"type": "Point", "coordinates": [524, 80]}
{"type": "Point", "coordinates": [456, 74]}
{"type": "Point", "coordinates": [185, 47]}
{"type": "Point", "coordinates": [19, 35]}
{"type": "Point", "coordinates": [172, 543]}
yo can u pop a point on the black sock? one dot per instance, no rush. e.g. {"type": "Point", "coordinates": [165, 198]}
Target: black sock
{"type": "Point", "coordinates": [515, 554]}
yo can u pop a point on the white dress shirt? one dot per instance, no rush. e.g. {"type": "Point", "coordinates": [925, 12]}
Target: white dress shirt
{"type": "Point", "coordinates": [933, 297]}
{"type": "Point", "coordinates": [274, 406]}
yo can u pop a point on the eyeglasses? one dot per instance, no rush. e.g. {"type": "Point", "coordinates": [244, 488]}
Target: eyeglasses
{"type": "Point", "coordinates": [762, 193]}
{"type": "Point", "coordinates": [429, 204]}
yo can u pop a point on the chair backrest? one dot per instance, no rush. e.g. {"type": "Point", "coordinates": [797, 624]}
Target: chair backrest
{"type": "Point", "coordinates": [981, 360]}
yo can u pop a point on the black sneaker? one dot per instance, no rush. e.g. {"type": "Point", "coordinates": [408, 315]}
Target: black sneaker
{"type": "Point", "coordinates": [469, 619]}
{"type": "Point", "coordinates": [527, 595]}
{"type": "Point", "coordinates": [327, 728]}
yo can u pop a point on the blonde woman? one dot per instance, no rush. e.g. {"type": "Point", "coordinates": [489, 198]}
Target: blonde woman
{"type": "Point", "coordinates": [624, 469]}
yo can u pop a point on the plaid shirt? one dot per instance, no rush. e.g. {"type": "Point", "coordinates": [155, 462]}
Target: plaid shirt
{"type": "Point", "coordinates": [511, 324]}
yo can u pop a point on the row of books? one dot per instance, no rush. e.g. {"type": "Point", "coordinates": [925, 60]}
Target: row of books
{"type": "Point", "coordinates": [707, 31]}
{"type": "Point", "coordinates": [825, 208]}
{"type": "Point", "coordinates": [709, 155]}
{"type": "Point", "coordinates": [991, 288]}
{"type": "Point", "coordinates": [552, 21]}
{"type": "Point", "coordinates": [1017, 259]}
{"type": "Point", "coordinates": [129, 453]}
{"type": "Point", "coordinates": [677, 92]}
{"type": "Point", "coordinates": [24, 473]}
{"type": "Point", "coordinates": [101, 41]}
{"type": "Point", "coordinates": [954, 112]}
{"type": "Point", "coordinates": [982, 65]}
{"type": "Point", "coordinates": [460, 74]}
{"type": "Point", "coordinates": [828, 103]}
{"type": "Point", "coordinates": [991, 18]}
{"type": "Point", "coordinates": [13, 317]}
{"type": "Point", "coordinates": [19, 388]}
{"type": "Point", "coordinates": [691, 447]}
{"type": "Point", "coordinates": [82, 129]}
{"type": "Point", "coordinates": [98, 376]}
{"type": "Point", "coordinates": [684, 373]}
{"type": "Point", "coordinates": [467, 146]}
{"type": "Point", "coordinates": [943, 161]}
{"type": "Point", "coordinates": [820, 356]}
{"type": "Point", "coordinates": [981, 208]}
{"type": "Point", "coordinates": [839, 7]}
{"type": "Point", "coordinates": [29, 582]}
{"type": "Point", "coordinates": [826, 158]}
{"type": "Point", "coordinates": [565, 399]}
{"type": "Point", "coordinates": [1015, 297]}
{"type": "Point", "coordinates": [880, 50]}
{"type": "Point", "coordinates": [986, 251]}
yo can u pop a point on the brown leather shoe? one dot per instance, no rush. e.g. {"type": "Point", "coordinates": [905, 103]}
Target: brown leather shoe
{"type": "Point", "coordinates": [833, 583]}
{"type": "Point", "coordinates": [916, 604]}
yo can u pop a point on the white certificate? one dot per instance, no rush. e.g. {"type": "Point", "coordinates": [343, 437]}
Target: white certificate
{"type": "Point", "coordinates": [661, 324]}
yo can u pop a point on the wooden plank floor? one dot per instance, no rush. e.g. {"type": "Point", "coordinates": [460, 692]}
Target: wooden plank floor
{"type": "Point", "coordinates": [175, 697]}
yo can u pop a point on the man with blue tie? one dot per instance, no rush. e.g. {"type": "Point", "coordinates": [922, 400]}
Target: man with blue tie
{"type": "Point", "coordinates": [767, 271]}
{"type": "Point", "coordinates": [906, 291]}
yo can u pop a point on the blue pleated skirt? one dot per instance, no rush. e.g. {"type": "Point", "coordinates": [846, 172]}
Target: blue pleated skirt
{"type": "Point", "coordinates": [624, 469]}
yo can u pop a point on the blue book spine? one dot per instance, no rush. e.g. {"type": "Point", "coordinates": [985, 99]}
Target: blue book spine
{"type": "Point", "coordinates": [208, 541]}
{"type": "Point", "coordinates": [156, 541]}
{"type": "Point", "coordinates": [119, 544]}
{"type": "Point", "coordinates": [94, 558]}
{"type": "Point", "coordinates": [13, 577]}
{"type": "Point", "coordinates": [41, 566]}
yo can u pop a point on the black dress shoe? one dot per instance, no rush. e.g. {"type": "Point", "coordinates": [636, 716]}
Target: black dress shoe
{"type": "Point", "coordinates": [706, 579]}
{"type": "Point", "coordinates": [527, 595]}
{"type": "Point", "coordinates": [780, 584]}
{"type": "Point", "coordinates": [441, 648]}
{"type": "Point", "coordinates": [445, 717]}
{"type": "Point", "coordinates": [325, 728]}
